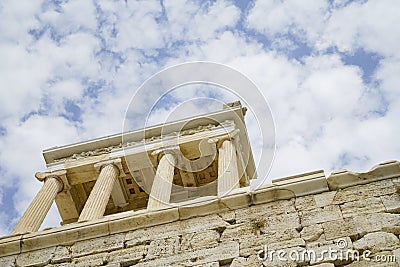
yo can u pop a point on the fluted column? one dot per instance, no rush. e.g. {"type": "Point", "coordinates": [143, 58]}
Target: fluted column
{"type": "Point", "coordinates": [39, 207]}
{"type": "Point", "coordinates": [97, 201]}
{"type": "Point", "coordinates": [228, 176]}
{"type": "Point", "coordinates": [162, 185]}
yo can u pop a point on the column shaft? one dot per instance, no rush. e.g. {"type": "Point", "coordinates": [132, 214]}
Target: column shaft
{"type": "Point", "coordinates": [97, 201]}
{"type": "Point", "coordinates": [39, 207]}
{"type": "Point", "coordinates": [228, 176]}
{"type": "Point", "coordinates": [162, 185]}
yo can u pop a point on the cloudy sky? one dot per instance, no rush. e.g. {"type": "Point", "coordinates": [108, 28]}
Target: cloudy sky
{"type": "Point", "coordinates": [329, 70]}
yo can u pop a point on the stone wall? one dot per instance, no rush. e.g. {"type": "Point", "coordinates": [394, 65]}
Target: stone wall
{"type": "Point", "coordinates": [354, 214]}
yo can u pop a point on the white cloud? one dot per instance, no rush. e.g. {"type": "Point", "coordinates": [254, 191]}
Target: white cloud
{"type": "Point", "coordinates": [96, 54]}
{"type": "Point", "coordinates": [368, 25]}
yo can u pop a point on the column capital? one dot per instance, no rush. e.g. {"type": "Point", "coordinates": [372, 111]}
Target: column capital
{"type": "Point", "coordinates": [231, 136]}
{"type": "Point", "coordinates": [117, 162]}
{"type": "Point", "coordinates": [60, 175]}
{"type": "Point", "coordinates": [172, 150]}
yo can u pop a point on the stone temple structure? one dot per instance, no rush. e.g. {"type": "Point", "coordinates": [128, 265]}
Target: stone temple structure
{"type": "Point", "coordinates": [178, 195]}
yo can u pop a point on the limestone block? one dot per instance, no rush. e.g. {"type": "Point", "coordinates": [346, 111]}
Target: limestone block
{"type": "Point", "coordinates": [373, 222]}
{"type": "Point", "coordinates": [286, 257]}
{"type": "Point", "coordinates": [312, 232]}
{"type": "Point", "coordinates": [396, 253]}
{"type": "Point", "coordinates": [35, 258]}
{"type": "Point", "coordinates": [320, 215]}
{"type": "Point", "coordinates": [339, 228]}
{"type": "Point", "coordinates": [280, 235]}
{"type": "Point", "coordinates": [265, 210]}
{"type": "Point", "coordinates": [324, 265]}
{"type": "Point", "coordinates": [382, 171]}
{"type": "Point", "coordinates": [61, 254]}
{"type": "Point", "coordinates": [295, 242]}
{"type": "Point", "coordinates": [197, 224]}
{"type": "Point", "coordinates": [200, 209]}
{"type": "Point", "coordinates": [228, 216]}
{"type": "Point", "coordinates": [209, 264]}
{"type": "Point", "coordinates": [64, 235]}
{"type": "Point", "coordinates": [225, 251]}
{"type": "Point", "coordinates": [128, 256]}
{"type": "Point", "coordinates": [270, 193]}
{"type": "Point", "coordinates": [391, 203]}
{"type": "Point", "coordinates": [305, 203]}
{"type": "Point", "coordinates": [206, 238]}
{"type": "Point", "coordinates": [140, 236]}
{"type": "Point", "coordinates": [374, 189]}
{"type": "Point", "coordinates": [237, 231]}
{"type": "Point", "coordinates": [8, 261]}
{"type": "Point", "coordinates": [284, 221]}
{"type": "Point", "coordinates": [90, 260]}
{"type": "Point", "coordinates": [377, 241]}
{"type": "Point", "coordinates": [10, 245]}
{"type": "Point", "coordinates": [143, 219]}
{"type": "Point", "coordinates": [324, 199]}
{"type": "Point", "coordinates": [318, 251]}
{"type": "Point", "coordinates": [174, 229]}
{"type": "Point", "coordinates": [235, 201]}
{"type": "Point", "coordinates": [250, 240]}
{"type": "Point", "coordinates": [97, 245]}
{"type": "Point", "coordinates": [362, 206]}
{"type": "Point", "coordinates": [250, 261]}
{"type": "Point", "coordinates": [162, 247]}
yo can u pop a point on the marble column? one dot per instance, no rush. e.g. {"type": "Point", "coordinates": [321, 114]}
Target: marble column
{"type": "Point", "coordinates": [39, 207]}
{"type": "Point", "coordinates": [162, 185]}
{"type": "Point", "coordinates": [228, 176]}
{"type": "Point", "coordinates": [97, 201]}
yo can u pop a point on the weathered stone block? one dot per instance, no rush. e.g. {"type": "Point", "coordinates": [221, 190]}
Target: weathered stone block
{"type": "Point", "coordinates": [312, 232]}
{"type": "Point", "coordinates": [377, 222]}
{"type": "Point", "coordinates": [128, 256]}
{"type": "Point", "coordinates": [250, 261]}
{"type": "Point", "coordinates": [97, 245]}
{"type": "Point", "coordinates": [286, 257]}
{"type": "Point", "coordinates": [284, 221]}
{"type": "Point", "coordinates": [228, 216]}
{"type": "Point", "coordinates": [209, 264]}
{"type": "Point", "coordinates": [207, 238]}
{"type": "Point", "coordinates": [201, 209]}
{"type": "Point", "coordinates": [10, 245]}
{"type": "Point", "coordinates": [162, 247]}
{"type": "Point", "coordinates": [142, 219]}
{"type": "Point", "coordinates": [318, 251]}
{"type": "Point", "coordinates": [362, 206]}
{"type": "Point", "coordinates": [391, 202]}
{"type": "Point", "coordinates": [378, 241]}
{"type": "Point", "coordinates": [90, 260]}
{"type": "Point", "coordinates": [265, 210]}
{"type": "Point", "coordinates": [354, 193]}
{"type": "Point", "coordinates": [225, 251]}
{"type": "Point", "coordinates": [35, 258]}
{"type": "Point", "coordinates": [339, 228]}
{"type": "Point", "coordinates": [320, 215]}
{"type": "Point", "coordinates": [140, 236]}
{"type": "Point", "coordinates": [8, 261]}
{"type": "Point", "coordinates": [305, 203]}
{"type": "Point", "coordinates": [324, 199]}
{"type": "Point", "coordinates": [61, 254]}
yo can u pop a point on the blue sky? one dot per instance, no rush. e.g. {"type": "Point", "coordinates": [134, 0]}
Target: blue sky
{"type": "Point", "coordinates": [329, 70]}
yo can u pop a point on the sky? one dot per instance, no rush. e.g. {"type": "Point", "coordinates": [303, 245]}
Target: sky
{"type": "Point", "coordinates": [330, 71]}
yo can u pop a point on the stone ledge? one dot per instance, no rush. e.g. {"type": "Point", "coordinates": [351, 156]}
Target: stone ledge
{"type": "Point", "coordinates": [344, 178]}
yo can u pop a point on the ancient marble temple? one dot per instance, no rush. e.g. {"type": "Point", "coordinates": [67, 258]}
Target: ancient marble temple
{"type": "Point", "coordinates": [153, 168]}
{"type": "Point", "coordinates": [178, 194]}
